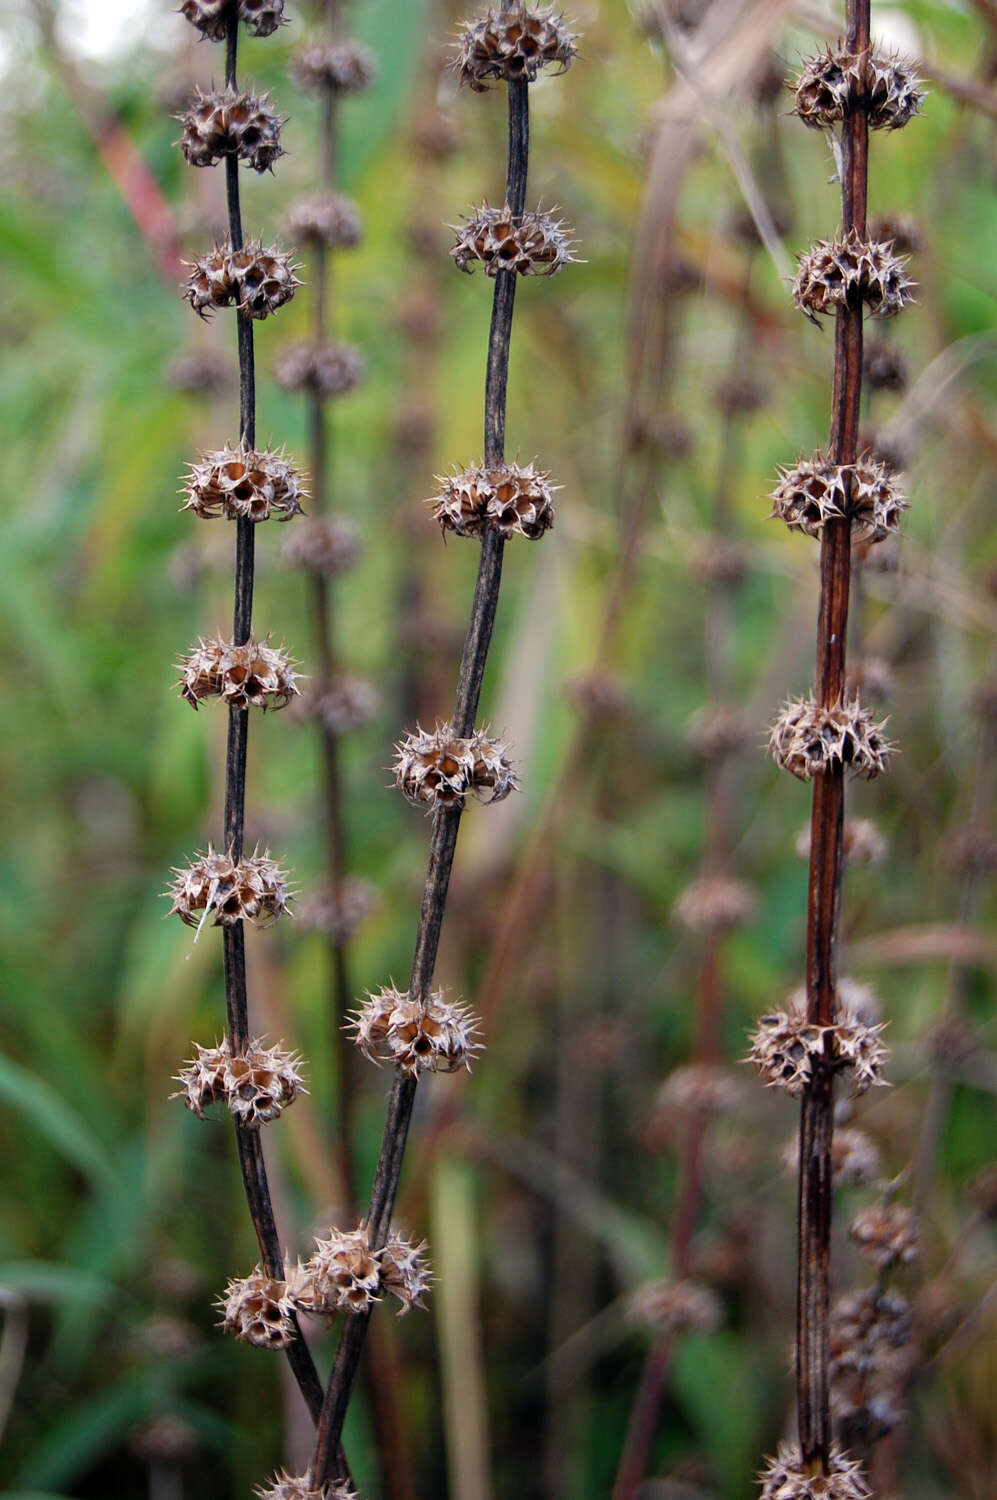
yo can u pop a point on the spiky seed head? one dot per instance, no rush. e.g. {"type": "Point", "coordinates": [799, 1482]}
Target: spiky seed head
{"type": "Point", "coordinates": [676, 1307]}
{"type": "Point", "coordinates": [327, 545]}
{"type": "Point", "coordinates": [513, 43]}
{"type": "Point", "coordinates": [788, 1050]}
{"type": "Point", "coordinates": [884, 367]}
{"type": "Point", "coordinates": [862, 843]}
{"type": "Point", "coordinates": [835, 81]}
{"type": "Point", "coordinates": [244, 484]}
{"type": "Point", "coordinates": [807, 739]}
{"type": "Point", "coordinates": [230, 122]}
{"type": "Point", "coordinates": [332, 222]}
{"type": "Point", "coordinates": [326, 369]}
{"type": "Point", "coordinates": [258, 1310]}
{"type": "Point", "coordinates": [208, 16]}
{"type": "Point", "coordinates": [343, 1274]}
{"type": "Point", "coordinates": [439, 769]}
{"type": "Point", "coordinates": [261, 17]}
{"type": "Point", "coordinates": [285, 1486]}
{"type": "Point", "coordinates": [854, 1157]}
{"type": "Point", "coordinates": [506, 499]}
{"type": "Point", "coordinates": [714, 903]}
{"type": "Point", "coordinates": [815, 491]}
{"type": "Point", "coordinates": [839, 273]}
{"type": "Point", "coordinates": [257, 1083]}
{"type": "Point", "coordinates": [887, 1234]}
{"type": "Point", "coordinates": [341, 706]}
{"type": "Point", "coordinates": [535, 245]}
{"type": "Point", "coordinates": [337, 911]}
{"type": "Point", "coordinates": [787, 1477]}
{"type": "Point", "coordinates": [199, 372]}
{"type": "Point", "coordinates": [344, 67]}
{"type": "Point", "coordinates": [255, 279]}
{"type": "Point", "coordinates": [252, 890]}
{"type": "Point", "coordinates": [404, 1271]}
{"type": "Point", "coordinates": [435, 1036]}
{"type": "Point", "coordinates": [717, 732]}
{"type": "Point", "coordinates": [255, 675]}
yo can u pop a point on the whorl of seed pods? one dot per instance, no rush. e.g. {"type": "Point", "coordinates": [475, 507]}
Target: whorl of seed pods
{"type": "Point", "coordinates": [704, 1089]}
{"type": "Point", "coordinates": [326, 545]}
{"type": "Point", "coordinates": [252, 890]}
{"type": "Point", "coordinates": [868, 1332]}
{"type": "Point", "coordinates": [229, 122]}
{"type": "Point", "coordinates": [714, 903]}
{"type": "Point", "coordinates": [836, 273]}
{"type": "Point", "coordinates": [337, 911]}
{"type": "Point", "coordinates": [884, 367]}
{"type": "Point", "coordinates": [512, 43]}
{"type": "Point", "coordinates": [345, 1274]}
{"type": "Point", "coordinates": [244, 485]}
{"type": "Point", "coordinates": [346, 67]}
{"type": "Point", "coordinates": [344, 704]}
{"type": "Point", "coordinates": [255, 675]}
{"type": "Point", "coordinates": [437, 1036]}
{"type": "Point", "coordinates": [807, 739]}
{"type": "Point", "coordinates": [257, 1084]}
{"type": "Point", "coordinates": [674, 1307]}
{"type": "Point", "coordinates": [536, 245]}
{"type": "Point", "coordinates": [258, 1310]}
{"type": "Point", "coordinates": [871, 677]}
{"type": "Point", "coordinates": [788, 1050]}
{"type": "Point", "coordinates": [332, 222]}
{"type": "Point", "coordinates": [787, 1477]}
{"type": "Point", "coordinates": [506, 499]}
{"type": "Point", "coordinates": [814, 491]}
{"type": "Point", "coordinates": [404, 1272]}
{"type": "Point", "coordinates": [199, 372]}
{"type": "Point", "coordinates": [854, 1157]}
{"type": "Point", "coordinates": [861, 843]}
{"type": "Point", "coordinates": [439, 768]}
{"type": "Point", "coordinates": [327, 368]}
{"type": "Point", "coordinates": [887, 1234]}
{"type": "Point", "coordinates": [833, 81]}
{"type": "Point", "coordinates": [256, 280]}
{"type": "Point", "coordinates": [285, 1486]}
{"type": "Point", "coordinates": [260, 17]}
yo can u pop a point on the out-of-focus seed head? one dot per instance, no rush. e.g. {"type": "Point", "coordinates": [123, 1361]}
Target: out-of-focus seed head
{"type": "Point", "coordinates": [244, 485]}
{"type": "Point", "coordinates": [256, 1084]}
{"type": "Point", "coordinates": [258, 1310]}
{"type": "Point", "coordinates": [535, 245]}
{"type": "Point", "coordinates": [208, 16]}
{"type": "Point", "coordinates": [344, 67]}
{"type": "Point", "coordinates": [415, 426]}
{"type": "Point", "coordinates": [419, 317]}
{"type": "Point", "coordinates": [869, 1331]}
{"type": "Point", "coordinates": [229, 122]}
{"type": "Point", "coordinates": [327, 545]}
{"type": "Point", "coordinates": [718, 732]}
{"type": "Point", "coordinates": [662, 432]}
{"type": "Point", "coordinates": [972, 851]}
{"type": "Point", "coordinates": [199, 372]}
{"type": "Point", "coordinates": [439, 1036]}
{"type": "Point", "coordinates": [676, 1307]}
{"type": "Point", "coordinates": [258, 281]}
{"type": "Point", "coordinates": [807, 740]}
{"type": "Point", "coordinates": [788, 1050]}
{"type": "Point", "coordinates": [332, 222]}
{"type": "Point", "coordinates": [342, 1274]}
{"type": "Point", "coordinates": [839, 273]}
{"type": "Point", "coordinates": [285, 1486]}
{"type": "Point", "coordinates": [343, 705]}
{"type": "Point", "coordinates": [902, 231]}
{"type": "Point", "coordinates": [507, 499]}
{"type": "Point", "coordinates": [854, 1157]}
{"type": "Point", "coordinates": [337, 911]}
{"type": "Point", "coordinates": [326, 369]}
{"type": "Point", "coordinates": [832, 83]}
{"type": "Point", "coordinates": [723, 563]}
{"type": "Point", "coordinates": [695, 1091]}
{"type": "Point", "coordinates": [887, 1234]}
{"type": "Point", "coordinates": [439, 769]}
{"type": "Point", "coordinates": [715, 903]}
{"type": "Point", "coordinates": [513, 43]}
{"type": "Point", "coordinates": [434, 136]}
{"type": "Point", "coordinates": [861, 844]}
{"type": "Point", "coordinates": [884, 367]}
{"type": "Point", "coordinates": [814, 491]}
{"type": "Point", "coordinates": [166, 1438]}
{"type": "Point", "coordinates": [600, 696]}
{"type": "Point", "coordinates": [404, 1271]}
{"type": "Point", "coordinates": [254, 890]}
{"type": "Point", "coordinates": [787, 1477]}
{"type": "Point", "coordinates": [738, 394]}
{"type": "Point", "coordinates": [256, 675]}
{"type": "Point", "coordinates": [261, 17]}
{"type": "Point", "coordinates": [870, 678]}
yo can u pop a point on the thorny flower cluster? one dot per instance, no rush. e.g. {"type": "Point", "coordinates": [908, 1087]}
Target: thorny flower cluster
{"type": "Point", "coordinates": [535, 244]}
{"type": "Point", "coordinates": [438, 769]}
{"type": "Point", "coordinates": [244, 485]}
{"type": "Point", "coordinates": [258, 281]}
{"type": "Point", "coordinates": [506, 499]}
{"type": "Point", "coordinates": [256, 675]}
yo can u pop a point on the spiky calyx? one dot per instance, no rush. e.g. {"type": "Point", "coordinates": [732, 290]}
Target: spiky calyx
{"type": "Point", "coordinates": [332, 222]}
{"type": "Point", "coordinates": [834, 82]}
{"type": "Point", "coordinates": [230, 122]}
{"type": "Point", "coordinates": [244, 485]}
{"type": "Point", "coordinates": [440, 769]}
{"type": "Point", "coordinates": [513, 43]}
{"type": "Point", "coordinates": [816, 491]}
{"type": "Point", "coordinates": [254, 675]}
{"type": "Point", "coordinates": [260, 17]}
{"type": "Point", "coordinates": [808, 740]}
{"type": "Point", "coordinates": [326, 369]}
{"type": "Point", "coordinates": [788, 1050]}
{"type": "Point", "coordinates": [887, 1234]}
{"type": "Point", "coordinates": [341, 706]}
{"type": "Point", "coordinates": [404, 1272]}
{"type": "Point", "coordinates": [256, 1084]}
{"type": "Point", "coordinates": [862, 843]}
{"type": "Point", "coordinates": [438, 1036]}
{"type": "Point", "coordinates": [328, 545]}
{"type": "Point", "coordinates": [285, 1486]}
{"type": "Point", "coordinates": [345, 1274]}
{"type": "Point", "coordinates": [252, 890]}
{"type": "Point", "coordinates": [337, 911]}
{"type": "Point", "coordinates": [838, 273]}
{"type": "Point", "coordinates": [506, 499]}
{"type": "Point", "coordinates": [676, 1307]}
{"type": "Point", "coordinates": [258, 1310]}
{"type": "Point", "coordinates": [714, 903]}
{"type": "Point", "coordinates": [787, 1477]}
{"type": "Point", "coordinates": [258, 281]}
{"type": "Point", "coordinates": [534, 245]}
{"type": "Point", "coordinates": [343, 67]}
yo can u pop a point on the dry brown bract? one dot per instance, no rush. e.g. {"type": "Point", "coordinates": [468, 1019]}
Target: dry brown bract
{"type": "Point", "coordinates": [254, 890]}
{"type": "Point", "coordinates": [512, 43]}
{"type": "Point", "coordinates": [228, 122]}
{"type": "Point", "coordinates": [787, 1477]}
{"type": "Point", "coordinates": [673, 1307]}
{"type": "Point", "coordinates": [257, 1084]}
{"type": "Point", "coordinates": [332, 222]}
{"type": "Point", "coordinates": [814, 491]}
{"type": "Point", "coordinates": [258, 1310]}
{"type": "Point", "coordinates": [287, 1486]}
{"type": "Point", "coordinates": [886, 1234]}
{"type": "Point", "coordinates": [327, 545]}
{"type": "Point", "coordinates": [345, 67]}
{"type": "Point", "coordinates": [834, 81]}
{"type": "Point", "coordinates": [244, 485]}
{"type": "Point", "coordinates": [536, 245]}
{"type": "Point", "coordinates": [326, 369]}
{"type": "Point", "coordinates": [260, 17]}
{"type": "Point", "coordinates": [439, 769]}
{"type": "Point", "coordinates": [807, 739]}
{"type": "Point", "coordinates": [507, 499]}
{"type": "Point", "coordinates": [254, 675]}
{"type": "Point", "coordinates": [787, 1050]}
{"type": "Point", "coordinates": [437, 1037]}
{"type": "Point", "coordinates": [345, 1274]}
{"type": "Point", "coordinates": [714, 903]}
{"type": "Point", "coordinates": [256, 280]}
{"type": "Point", "coordinates": [838, 273]}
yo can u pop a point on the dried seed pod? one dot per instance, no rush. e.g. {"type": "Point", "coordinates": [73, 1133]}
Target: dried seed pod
{"type": "Point", "coordinates": [326, 369]}
{"type": "Point", "coordinates": [254, 675]}
{"type": "Point", "coordinates": [345, 67]}
{"type": "Point", "coordinates": [807, 739]}
{"type": "Point", "coordinates": [342, 1274]}
{"type": "Point", "coordinates": [337, 911]}
{"type": "Point", "coordinates": [833, 82]}
{"type": "Point", "coordinates": [787, 1477]}
{"type": "Point", "coordinates": [332, 222]}
{"type": "Point", "coordinates": [229, 122]}
{"type": "Point", "coordinates": [404, 1272]}
{"type": "Point", "coordinates": [854, 1157]}
{"type": "Point", "coordinates": [328, 545]}
{"type": "Point", "coordinates": [506, 498]}
{"type": "Point", "coordinates": [869, 1331]}
{"type": "Point", "coordinates": [534, 245]}
{"type": "Point", "coordinates": [340, 706]}
{"type": "Point", "coordinates": [675, 1307]}
{"type": "Point", "coordinates": [788, 1050]}
{"type": "Point", "coordinates": [261, 17]}
{"type": "Point", "coordinates": [199, 372]}
{"type": "Point", "coordinates": [208, 16]}
{"type": "Point", "coordinates": [815, 490]}
{"type": "Point", "coordinates": [884, 367]}
{"type": "Point", "coordinates": [714, 903]}
{"type": "Point", "coordinates": [243, 484]}
{"type": "Point", "coordinates": [258, 1310]}
{"type": "Point", "coordinates": [252, 890]}
{"type": "Point", "coordinates": [513, 43]}
{"type": "Point", "coordinates": [887, 1234]}
{"type": "Point", "coordinates": [718, 732]}
{"type": "Point", "coordinates": [285, 1486]}
{"type": "Point", "coordinates": [256, 1084]}
{"type": "Point", "coordinates": [837, 273]}
{"type": "Point", "coordinates": [439, 1036]}
{"type": "Point", "coordinates": [256, 280]}
{"type": "Point", "coordinates": [861, 844]}
{"type": "Point", "coordinates": [439, 769]}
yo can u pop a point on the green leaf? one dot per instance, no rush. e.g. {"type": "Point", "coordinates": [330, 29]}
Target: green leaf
{"type": "Point", "coordinates": [61, 1126]}
{"type": "Point", "coordinates": [52, 1281]}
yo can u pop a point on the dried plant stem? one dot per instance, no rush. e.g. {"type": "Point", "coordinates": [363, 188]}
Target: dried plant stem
{"type": "Point", "coordinates": [446, 822]}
